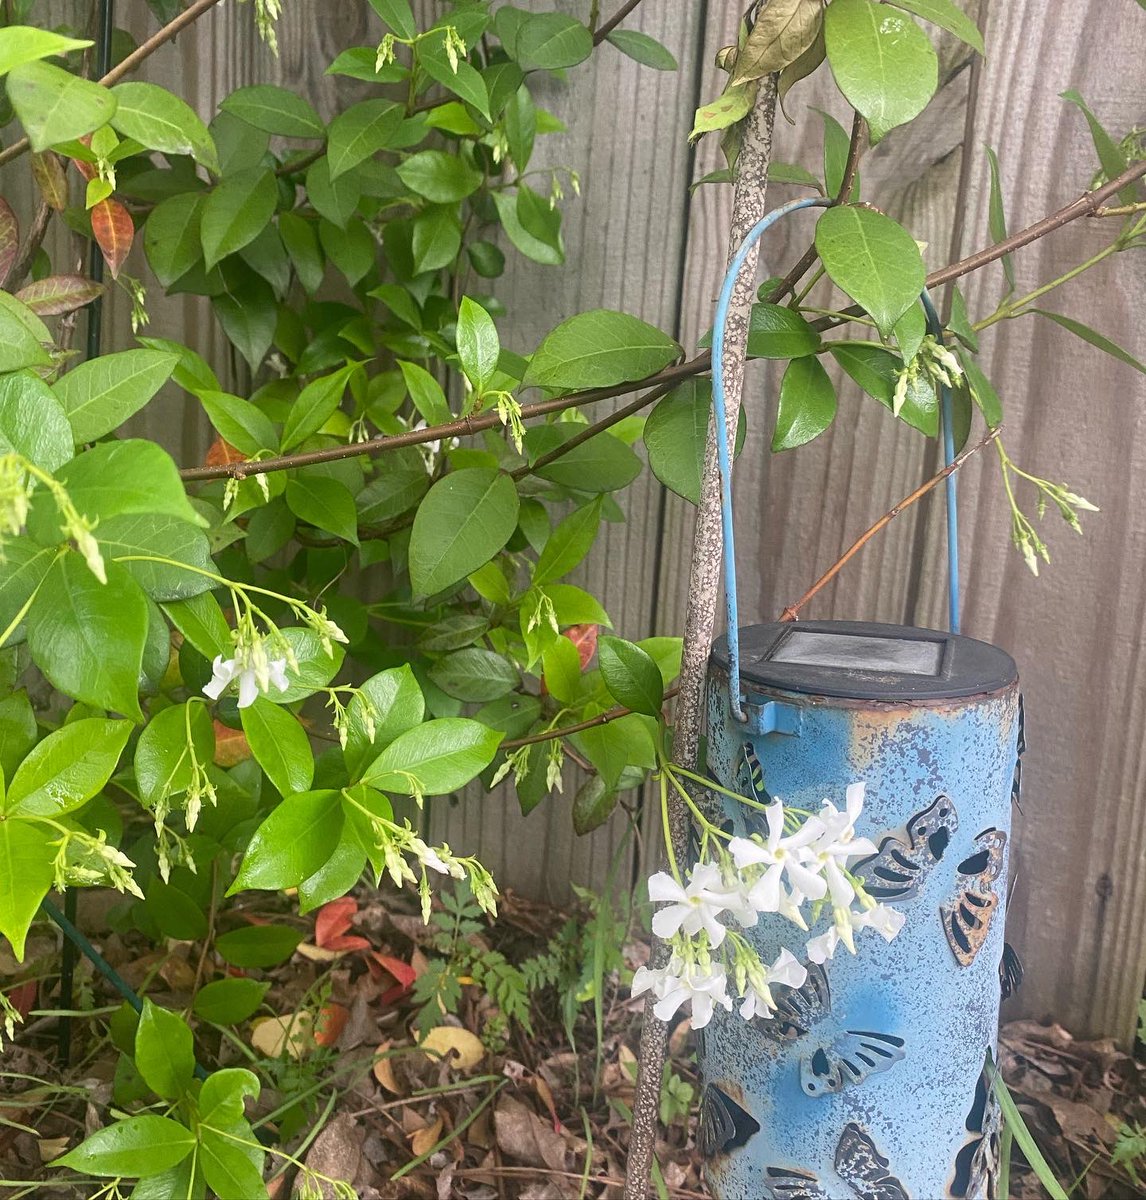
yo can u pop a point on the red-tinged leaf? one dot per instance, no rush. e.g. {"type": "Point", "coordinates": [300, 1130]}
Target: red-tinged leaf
{"type": "Point", "coordinates": [86, 169]}
{"type": "Point", "coordinates": [348, 941]}
{"type": "Point", "coordinates": [334, 919]}
{"type": "Point", "coordinates": [219, 453]}
{"type": "Point", "coordinates": [9, 238]}
{"type": "Point", "coordinates": [23, 997]}
{"type": "Point", "coordinates": [584, 637]}
{"type": "Point", "coordinates": [402, 972]}
{"type": "Point", "coordinates": [51, 178]}
{"type": "Point", "coordinates": [114, 231]}
{"type": "Point", "coordinates": [231, 746]}
{"type": "Point", "coordinates": [59, 294]}
{"type": "Point", "coordinates": [331, 1022]}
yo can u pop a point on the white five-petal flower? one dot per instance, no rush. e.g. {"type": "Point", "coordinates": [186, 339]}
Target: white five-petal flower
{"type": "Point", "coordinates": [252, 678]}
{"type": "Point", "coordinates": [703, 984]}
{"type": "Point", "coordinates": [694, 907]}
{"type": "Point", "coordinates": [786, 970]}
{"type": "Point", "coordinates": [780, 856]}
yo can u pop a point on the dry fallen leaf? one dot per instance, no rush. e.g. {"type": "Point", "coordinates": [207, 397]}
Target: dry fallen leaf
{"type": "Point", "coordinates": [318, 953]}
{"type": "Point", "coordinates": [51, 1148]}
{"type": "Point", "coordinates": [331, 1022]}
{"type": "Point", "coordinates": [422, 1139]}
{"type": "Point", "coordinates": [384, 1072]}
{"type": "Point", "coordinates": [461, 1048]}
{"type": "Point", "coordinates": [292, 1033]}
{"type": "Point", "coordinates": [524, 1136]}
{"type": "Point", "coordinates": [336, 1153]}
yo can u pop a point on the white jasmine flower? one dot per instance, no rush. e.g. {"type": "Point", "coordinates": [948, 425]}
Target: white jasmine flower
{"type": "Point", "coordinates": [253, 670]}
{"type": "Point", "coordinates": [887, 922]}
{"type": "Point", "coordinates": [822, 947]}
{"type": "Point", "coordinates": [703, 984]}
{"type": "Point", "coordinates": [692, 908]}
{"type": "Point", "coordinates": [786, 970]}
{"type": "Point", "coordinates": [780, 856]}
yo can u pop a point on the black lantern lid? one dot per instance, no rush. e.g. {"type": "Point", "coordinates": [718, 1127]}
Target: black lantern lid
{"type": "Point", "coordinates": [864, 660]}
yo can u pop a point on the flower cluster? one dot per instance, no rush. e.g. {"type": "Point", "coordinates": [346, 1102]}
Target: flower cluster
{"type": "Point", "coordinates": [86, 860]}
{"type": "Point", "coordinates": [933, 362]}
{"type": "Point", "coordinates": [797, 866]}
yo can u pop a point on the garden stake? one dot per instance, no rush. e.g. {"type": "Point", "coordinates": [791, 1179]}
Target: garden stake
{"type": "Point", "coordinates": [704, 584]}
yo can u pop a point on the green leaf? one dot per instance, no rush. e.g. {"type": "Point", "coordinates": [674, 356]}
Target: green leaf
{"type": "Point", "coordinates": [164, 1052]}
{"type": "Point", "coordinates": [335, 199]}
{"type": "Point", "coordinates": [397, 489]}
{"type": "Point", "coordinates": [1109, 155]}
{"type": "Point", "coordinates": [883, 63]}
{"type": "Point", "coordinates": [274, 110]}
{"type": "Point", "coordinates": [676, 434]}
{"type": "Point", "coordinates": [137, 1146]}
{"type": "Point", "coordinates": [324, 503]}
{"type": "Point", "coordinates": [100, 394]}
{"type": "Point", "coordinates": [258, 945]}
{"type": "Point", "coordinates": [200, 620]}
{"type": "Point", "coordinates": [232, 1165]}
{"type": "Point", "coordinates": [728, 109]}
{"type": "Point", "coordinates": [873, 259]}
{"type": "Point", "coordinates": [351, 250]}
{"type": "Point", "coordinates": [172, 238]}
{"type": "Point", "coordinates": [23, 336]}
{"type": "Point", "coordinates": [598, 349]}
{"type": "Point", "coordinates": [776, 331]}
{"type": "Point", "coordinates": [248, 314]}
{"type": "Point", "coordinates": [909, 331]}
{"type": "Point", "coordinates": [548, 250]}
{"type": "Point", "coordinates": [464, 82]}
{"type": "Point", "coordinates": [959, 323]}
{"type": "Point", "coordinates": [163, 764]}
{"type": "Point", "coordinates": [574, 606]}
{"type": "Point", "coordinates": [26, 43]}
{"type": "Point", "coordinates": [236, 212]}
{"type": "Point", "coordinates": [593, 805]}
{"type": "Point", "coordinates": [807, 404]}
{"type": "Point", "coordinates": [397, 15]}
{"type": "Point", "coordinates": [88, 637]}
{"type": "Point", "coordinates": [643, 49]}
{"type": "Point", "coordinates": [551, 41]}
{"type": "Point", "coordinates": [33, 422]}
{"type": "Point", "coordinates": [561, 668]}
{"type": "Point", "coordinates": [782, 32]}
{"type": "Point", "coordinates": [996, 216]}
{"type": "Point", "coordinates": [25, 566]}
{"type": "Point", "coordinates": [129, 476]}
{"type": "Point", "coordinates": [983, 391]}
{"type": "Point", "coordinates": [426, 394]}
{"type": "Point", "coordinates": [239, 422]}
{"type": "Point", "coordinates": [437, 238]}
{"type": "Point", "coordinates": [434, 758]}
{"type": "Point", "coordinates": [315, 405]}
{"type": "Point", "coordinates": [280, 746]}
{"type": "Point", "coordinates": [602, 464]}
{"type": "Point", "coordinates": [631, 676]}
{"type": "Point", "coordinates": [568, 544]}
{"type": "Point", "coordinates": [360, 131]}
{"type": "Point", "coordinates": [465, 519]}
{"type": "Point", "coordinates": [55, 106]}
{"type": "Point", "coordinates": [292, 843]}
{"type": "Point", "coordinates": [475, 675]}
{"type": "Point", "coordinates": [316, 668]}
{"type": "Point", "coordinates": [26, 877]}
{"type": "Point", "coordinates": [65, 770]}
{"type": "Point", "coordinates": [136, 535]}
{"type": "Point", "coordinates": [947, 16]}
{"type": "Point", "coordinates": [620, 745]}
{"type": "Point", "coordinates": [18, 731]}
{"type": "Point", "coordinates": [223, 1092]}
{"type": "Point", "coordinates": [395, 706]}
{"type": "Point", "coordinates": [876, 371]}
{"type": "Point", "coordinates": [301, 242]}
{"type": "Point", "coordinates": [155, 118]}
{"type": "Point", "coordinates": [1092, 336]}
{"type": "Point", "coordinates": [440, 177]}
{"type": "Point", "coordinates": [229, 1001]}
{"type": "Point", "coordinates": [478, 344]}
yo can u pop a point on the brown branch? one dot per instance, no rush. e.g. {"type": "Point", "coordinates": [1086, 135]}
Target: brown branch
{"type": "Point", "coordinates": [451, 429]}
{"type": "Point", "coordinates": [612, 714]}
{"type": "Point", "coordinates": [791, 613]}
{"type": "Point", "coordinates": [32, 243]}
{"type": "Point", "coordinates": [601, 34]}
{"type": "Point", "coordinates": [293, 165]}
{"type": "Point", "coordinates": [1119, 210]}
{"type": "Point", "coordinates": [137, 56]}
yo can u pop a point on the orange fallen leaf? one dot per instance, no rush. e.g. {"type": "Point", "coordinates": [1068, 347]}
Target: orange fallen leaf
{"type": "Point", "coordinates": [423, 1139]}
{"type": "Point", "coordinates": [384, 1071]}
{"type": "Point", "coordinates": [331, 1022]}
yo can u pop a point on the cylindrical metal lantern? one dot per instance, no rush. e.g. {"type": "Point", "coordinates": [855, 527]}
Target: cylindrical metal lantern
{"type": "Point", "coordinates": [867, 1083]}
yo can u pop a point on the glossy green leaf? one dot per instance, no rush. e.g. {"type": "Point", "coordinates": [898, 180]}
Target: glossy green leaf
{"type": "Point", "coordinates": [324, 503]}
{"type": "Point", "coordinates": [23, 336]}
{"type": "Point", "coordinates": [315, 405]}
{"type": "Point", "coordinates": [631, 676]}
{"type": "Point", "coordinates": [643, 49]}
{"type": "Point", "coordinates": [33, 422]}
{"type": "Point", "coordinates": [18, 731]}
{"type": "Point", "coordinates": [232, 1162]}
{"type": "Point", "coordinates": [599, 348]}
{"type": "Point", "coordinates": [136, 536]}
{"type": "Point", "coordinates": [164, 1051]}
{"type": "Point", "coordinates": [26, 43]}
{"type": "Point", "coordinates": [200, 620]}
{"type": "Point", "coordinates": [676, 434]}
{"type": "Point", "coordinates": [25, 566]}
{"type": "Point", "coordinates": [316, 668]}
{"type": "Point", "coordinates": [437, 238]}
{"type": "Point", "coordinates": [776, 331]}
{"type": "Point", "coordinates": [100, 394]}
{"type": "Point", "coordinates": [221, 1098]}
{"type": "Point", "coordinates": [395, 706]}
{"type": "Point", "coordinates": [602, 464]}
{"type": "Point", "coordinates": [334, 198]}
{"type": "Point", "coordinates": [159, 120]}
{"type": "Point", "coordinates": [873, 259]}
{"type": "Point", "coordinates": [163, 759]}
{"type": "Point", "coordinates": [475, 675]}
{"type": "Point", "coordinates": [1109, 153]}
{"type": "Point", "coordinates": [996, 216]}
{"type": "Point", "coordinates": [463, 80]}
{"type": "Point", "coordinates": [65, 770]}
{"type": "Point", "coordinates": [465, 519]}
{"type": "Point", "coordinates": [983, 391]}
{"type": "Point", "coordinates": [946, 15]}
{"type": "Point", "coordinates": [478, 344]}
{"type": "Point", "coordinates": [26, 877]}
{"type": "Point", "coordinates": [551, 41]}
{"type": "Point", "coordinates": [568, 544]}
{"type": "Point", "coordinates": [55, 106]}
{"type": "Point", "coordinates": [88, 637]}
{"type": "Point", "coordinates": [236, 212]}
{"type": "Point", "coordinates": [561, 668]}
{"type": "Point", "coordinates": [1093, 337]}
{"type": "Point", "coordinates": [807, 404]}
{"type": "Point", "coordinates": [876, 370]}
{"type": "Point", "coordinates": [301, 241]}
{"type": "Point", "coordinates": [258, 945]}
{"type": "Point", "coordinates": [275, 110]}
{"type": "Point", "coordinates": [171, 238]}
{"type": "Point", "coordinates": [548, 249]}
{"type": "Point", "coordinates": [239, 422]}
{"type": "Point", "coordinates": [593, 805]}
{"type": "Point", "coordinates": [359, 132]}
{"type": "Point", "coordinates": [397, 15]}
{"type": "Point", "coordinates": [280, 746]}
{"type": "Point", "coordinates": [883, 62]}
{"type": "Point", "coordinates": [292, 843]}
{"type": "Point", "coordinates": [440, 177]}
{"type": "Point", "coordinates": [229, 1001]}
{"type": "Point", "coordinates": [426, 394]}
{"type": "Point", "coordinates": [434, 758]}
{"type": "Point", "coordinates": [144, 1145]}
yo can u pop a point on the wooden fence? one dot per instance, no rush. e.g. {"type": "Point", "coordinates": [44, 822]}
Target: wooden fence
{"type": "Point", "coordinates": [638, 240]}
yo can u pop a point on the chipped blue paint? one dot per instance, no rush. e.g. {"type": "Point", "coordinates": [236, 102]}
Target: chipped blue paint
{"type": "Point", "coordinates": [903, 1131]}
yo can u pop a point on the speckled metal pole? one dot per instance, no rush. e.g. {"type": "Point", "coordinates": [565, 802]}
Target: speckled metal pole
{"type": "Point", "coordinates": [867, 1082]}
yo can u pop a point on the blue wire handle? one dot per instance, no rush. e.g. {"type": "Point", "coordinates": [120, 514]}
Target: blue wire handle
{"type": "Point", "coordinates": [724, 457]}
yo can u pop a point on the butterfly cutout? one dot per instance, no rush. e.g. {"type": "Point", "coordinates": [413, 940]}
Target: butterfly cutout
{"type": "Point", "coordinates": [724, 1125]}
{"type": "Point", "coordinates": [977, 1164]}
{"type": "Point", "coordinates": [839, 1061]}
{"type": "Point", "coordinates": [858, 1163]}
{"type": "Point", "coordinates": [1010, 971]}
{"type": "Point", "coordinates": [897, 871]}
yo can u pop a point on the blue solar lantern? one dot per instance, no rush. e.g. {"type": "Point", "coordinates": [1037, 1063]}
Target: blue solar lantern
{"type": "Point", "coordinates": [867, 1082]}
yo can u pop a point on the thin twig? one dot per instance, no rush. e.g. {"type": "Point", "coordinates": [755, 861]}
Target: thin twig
{"type": "Point", "coordinates": [32, 243]}
{"type": "Point", "coordinates": [137, 56]}
{"type": "Point", "coordinates": [1120, 210]}
{"type": "Point", "coordinates": [603, 32]}
{"type": "Point", "coordinates": [612, 714]}
{"type": "Point", "coordinates": [791, 613]}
